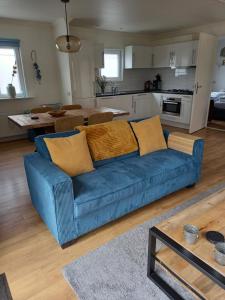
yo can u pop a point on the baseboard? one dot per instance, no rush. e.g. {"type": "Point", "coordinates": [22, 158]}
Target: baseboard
{"type": "Point", "coordinates": [13, 138]}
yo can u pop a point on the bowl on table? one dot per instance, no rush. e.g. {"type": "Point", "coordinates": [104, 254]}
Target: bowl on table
{"type": "Point", "coordinates": [57, 113]}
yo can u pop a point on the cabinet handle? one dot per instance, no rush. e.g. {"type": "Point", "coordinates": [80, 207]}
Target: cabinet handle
{"type": "Point", "coordinates": [106, 98]}
{"type": "Point", "coordinates": [153, 59]}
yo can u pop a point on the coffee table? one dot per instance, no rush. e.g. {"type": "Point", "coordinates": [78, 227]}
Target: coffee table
{"type": "Point", "coordinates": [193, 265]}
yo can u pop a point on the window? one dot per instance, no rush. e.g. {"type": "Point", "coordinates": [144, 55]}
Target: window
{"type": "Point", "coordinates": [113, 65]}
{"type": "Point", "coordinates": [9, 57]}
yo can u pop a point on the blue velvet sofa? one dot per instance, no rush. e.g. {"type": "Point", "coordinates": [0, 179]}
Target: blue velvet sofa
{"type": "Point", "coordinates": [71, 207]}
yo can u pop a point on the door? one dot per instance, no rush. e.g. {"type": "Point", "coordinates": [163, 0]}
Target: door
{"type": "Point", "coordinates": [142, 57]}
{"type": "Point", "coordinates": [142, 106]}
{"type": "Point", "coordinates": [185, 54]}
{"type": "Point", "coordinates": [156, 104]}
{"type": "Point", "coordinates": [206, 56]}
{"type": "Point", "coordinates": [161, 56]}
{"type": "Point", "coordinates": [123, 102]}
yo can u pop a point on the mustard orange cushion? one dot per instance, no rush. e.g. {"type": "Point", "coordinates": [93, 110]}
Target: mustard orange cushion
{"type": "Point", "coordinates": [149, 134]}
{"type": "Point", "coordinates": [71, 154]}
{"type": "Point", "coordinates": [111, 139]}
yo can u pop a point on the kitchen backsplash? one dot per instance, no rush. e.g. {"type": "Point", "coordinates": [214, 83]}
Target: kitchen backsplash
{"type": "Point", "coordinates": [134, 79]}
{"type": "Point", "coordinates": [176, 78]}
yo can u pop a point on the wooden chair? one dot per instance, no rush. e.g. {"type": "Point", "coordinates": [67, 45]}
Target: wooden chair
{"type": "Point", "coordinates": [43, 109]}
{"type": "Point", "coordinates": [72, 106]}
{"type": "Point", "coordinates": [68, 123]}
{"type": "Point", "coordinates": [100, 118]}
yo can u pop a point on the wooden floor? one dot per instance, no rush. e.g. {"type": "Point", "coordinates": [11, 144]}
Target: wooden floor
{"type": "Point", "coordinates": [29, 255]}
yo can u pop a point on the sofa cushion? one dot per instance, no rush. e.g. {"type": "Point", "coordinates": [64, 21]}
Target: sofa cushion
{"type": "Point", "coordinates": [71, 153]}
{"type": "Point", "coordinates": [121, 179]}
{"type": "Point", "coordinates": [41, 145]}
{"type": "Point", "coordinates": [111, 139]}
{"type": "Point", "coordinates": [149, 134]}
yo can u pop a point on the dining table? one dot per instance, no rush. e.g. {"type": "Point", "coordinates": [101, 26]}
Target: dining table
{"type": "Point", "coordinates": [25, 121]}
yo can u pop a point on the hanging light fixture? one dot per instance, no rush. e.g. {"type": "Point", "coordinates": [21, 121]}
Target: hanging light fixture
{"type": "Point", "coordinates": [67, 43]}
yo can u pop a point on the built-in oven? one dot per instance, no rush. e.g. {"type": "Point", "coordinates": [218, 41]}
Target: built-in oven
{"type": "Point", "coordinates": [171, 106]}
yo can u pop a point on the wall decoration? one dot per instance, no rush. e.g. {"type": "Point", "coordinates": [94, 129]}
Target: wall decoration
{"type": "Point", "coordinates": [37, 70]}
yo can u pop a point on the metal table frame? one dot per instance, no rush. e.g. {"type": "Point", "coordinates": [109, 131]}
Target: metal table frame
{"type": "Point", "coordinates": [154, 234]}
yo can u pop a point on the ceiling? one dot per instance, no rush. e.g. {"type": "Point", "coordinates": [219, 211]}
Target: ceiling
{"type": "Point", "coordinates": [121, 15]}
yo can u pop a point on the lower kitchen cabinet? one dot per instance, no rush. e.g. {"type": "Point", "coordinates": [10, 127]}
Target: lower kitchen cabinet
{"type": "Point", "coordinates": [123, 102]}
{"type": "Point", "coordinates": [142, 105]}
{"type": "Point", "coordinates": [156, 104]}
{"type": "Point", "coordinates": [138, 105]}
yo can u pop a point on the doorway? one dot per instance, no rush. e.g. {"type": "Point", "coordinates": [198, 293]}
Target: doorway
{"type": "Point", "coordinates": [216, 118]}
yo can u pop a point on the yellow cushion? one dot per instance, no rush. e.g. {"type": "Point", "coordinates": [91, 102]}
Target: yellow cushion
{"type": "Point", "coordinates": [149, 134]}
{"type": "Point", "coordinates": [111, 139]}
{"type": "Point", "coordinates": [71, 154]}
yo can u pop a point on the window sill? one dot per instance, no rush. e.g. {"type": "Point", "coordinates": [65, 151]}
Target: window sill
{"type": "Point", "coordinates": [17, 98]}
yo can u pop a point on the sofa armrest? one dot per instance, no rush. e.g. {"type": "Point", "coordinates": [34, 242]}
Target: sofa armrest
{"type": "Point", "coordinates": [52, 195]}
{"type": "Point", "coordinates": [188, 144]}
{"type": "Point", "coordinates": [182, 142]}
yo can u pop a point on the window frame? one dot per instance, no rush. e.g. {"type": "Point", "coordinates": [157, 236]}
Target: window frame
{"type": "Point", "coordinates": [120, 53]}
{"type": "Point", "coordinates": [20, 72]}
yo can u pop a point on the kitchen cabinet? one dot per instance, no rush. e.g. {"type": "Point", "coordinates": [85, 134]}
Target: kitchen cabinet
{"type": "Point", "coordinates": [175, 55]}
{"type": "Point", "coordinates": [138, 57]}
{"type": "Point", "coordinates": [185, 54]}
{"type": "Point", "coordinates": [161, 56]}
{"type": "Point", "coordinates": [156, 104]}
{"type": "Point", "coordinates": [138, 105]}
{"type": "Point", "coordinates": [123, 102]}
{"type": "Point", "coordinates": [99, 56]}
{"type": "Point", "coordinates": [141, 106]}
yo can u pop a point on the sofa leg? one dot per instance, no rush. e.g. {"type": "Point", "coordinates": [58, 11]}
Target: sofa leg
{"type": "Point", "coordinates": [68, 244]}
{"type": "Point", "coordinates": [190, 186]}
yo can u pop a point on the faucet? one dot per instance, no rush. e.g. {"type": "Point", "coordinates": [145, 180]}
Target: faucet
{"type": "Point", "coordinates": [114, 90]}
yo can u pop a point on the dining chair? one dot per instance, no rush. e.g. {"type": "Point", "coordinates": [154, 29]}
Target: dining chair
{"type": "Point", "coordinates": [71, 106]}
{"type": "Point", "coordinates": [43, 109]}
{"type": "Point", "coordinates": [68, 123]}
{"type": "Point", "coordinates": [100, 118]}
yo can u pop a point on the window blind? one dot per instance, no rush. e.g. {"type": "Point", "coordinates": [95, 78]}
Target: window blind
{"type": "Point", "coordinates": [9, 42]}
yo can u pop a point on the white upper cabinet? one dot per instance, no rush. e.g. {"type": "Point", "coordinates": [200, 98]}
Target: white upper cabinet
{"type": "Point", "coordinates": [161, 56]}
{"type": "Point", "coordinates": [175, 55]}
{"type": "Point", "coordinates": [99, 56]}
{"type": "Point", "coordinates": [138, 57]}
{"type": "Point", "coordinates": [185, 54]}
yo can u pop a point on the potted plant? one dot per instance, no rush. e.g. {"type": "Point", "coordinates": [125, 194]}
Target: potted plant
{"type": "Point", "coordinates": [10, 88]}
{"type": "Point", "coordinates": [102, 82]}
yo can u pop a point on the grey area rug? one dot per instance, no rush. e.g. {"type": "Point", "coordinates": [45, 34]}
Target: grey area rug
{"type": "Point", "coordinates": [118, 269]}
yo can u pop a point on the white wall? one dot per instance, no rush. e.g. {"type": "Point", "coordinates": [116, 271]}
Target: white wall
{"type": "Point", "coordinates": [37, 36]}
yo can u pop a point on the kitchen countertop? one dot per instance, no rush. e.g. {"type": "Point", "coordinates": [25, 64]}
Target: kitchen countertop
{"type": "Point", "coordinates": [120, 93]}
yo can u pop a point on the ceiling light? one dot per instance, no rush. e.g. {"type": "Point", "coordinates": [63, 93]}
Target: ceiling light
{"type": "Point", "coordinates": [67, 43]}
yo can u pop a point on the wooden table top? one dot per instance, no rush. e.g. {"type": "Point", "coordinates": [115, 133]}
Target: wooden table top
{"type": "Point", "coordinates": [208, 214]}
{"type": "Point", "coordinates": [45, 120]}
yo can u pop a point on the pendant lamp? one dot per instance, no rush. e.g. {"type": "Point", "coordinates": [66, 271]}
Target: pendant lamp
{"type": "Point", "coordinates": [67, 43]}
